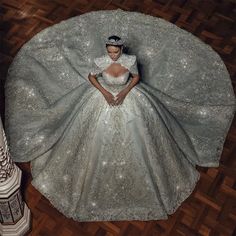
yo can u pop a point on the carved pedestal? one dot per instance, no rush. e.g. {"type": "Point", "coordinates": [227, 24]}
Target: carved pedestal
{"type": "Point", "coordinates": [14, 213]}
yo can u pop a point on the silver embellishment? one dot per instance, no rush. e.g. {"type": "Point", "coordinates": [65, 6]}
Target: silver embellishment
{"type": "Point", "coordinates": [115, 42]}
{"type": "Point", "coordinates": [140, 163]}
{"type": "Point", "coordinates": [103, 62]}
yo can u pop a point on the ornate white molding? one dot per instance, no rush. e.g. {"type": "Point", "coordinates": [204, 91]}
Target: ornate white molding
{"type": "Point", "coordinates": [14, 213]}
{"type": "Point", "coordinates": [6, 164]}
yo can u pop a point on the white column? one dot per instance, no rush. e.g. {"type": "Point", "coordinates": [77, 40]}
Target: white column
{"type": "Point", "coordinates": [14, 214]}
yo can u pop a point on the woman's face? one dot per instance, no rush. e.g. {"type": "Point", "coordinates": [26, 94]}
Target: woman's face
{"type": "Point", "coordinates": [114, 52]}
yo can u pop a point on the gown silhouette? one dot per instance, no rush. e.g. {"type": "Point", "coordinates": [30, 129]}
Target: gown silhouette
{"type": "Point", "coordinates": [135, 161]}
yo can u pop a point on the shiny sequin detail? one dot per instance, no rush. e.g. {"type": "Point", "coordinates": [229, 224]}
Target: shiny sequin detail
{"type": "Point", "coordinates": [135, 161]}
{"type": "Point", "coordinates": [103, 62]}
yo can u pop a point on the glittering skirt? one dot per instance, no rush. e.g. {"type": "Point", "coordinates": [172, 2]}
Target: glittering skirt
{"type": "Point", "coordinates": [116, 162]}
{"type": "Point", "coordinates": [135, 161]}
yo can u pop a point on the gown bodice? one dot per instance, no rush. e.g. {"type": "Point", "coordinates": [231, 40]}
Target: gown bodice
{"type": "Point", "coordinates": [112, 83]}
{"type": "Point", "coordinates": [112, 80]}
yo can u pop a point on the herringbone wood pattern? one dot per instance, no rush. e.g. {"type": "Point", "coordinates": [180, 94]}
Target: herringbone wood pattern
{"type": "Point", "coordinates": [211, 208]}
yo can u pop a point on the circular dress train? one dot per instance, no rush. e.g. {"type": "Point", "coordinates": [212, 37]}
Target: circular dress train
{"type": "Point", "coordinates": [135, 161]}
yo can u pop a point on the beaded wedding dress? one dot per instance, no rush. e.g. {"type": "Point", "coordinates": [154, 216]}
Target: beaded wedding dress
{"type": "Point", "coordinates": [135, 161]}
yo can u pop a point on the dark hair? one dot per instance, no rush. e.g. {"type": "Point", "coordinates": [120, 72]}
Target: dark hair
{"type": "Point", "coordinates": [116, 38]}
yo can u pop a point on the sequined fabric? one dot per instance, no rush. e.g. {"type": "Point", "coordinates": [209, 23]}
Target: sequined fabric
{"type": "Point", "coordinates": [125, 60]}
{"type": "Point", "coordinates": [136, 161]}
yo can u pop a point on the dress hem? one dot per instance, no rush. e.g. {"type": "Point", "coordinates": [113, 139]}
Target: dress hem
{"type": "Point", "coordinates": [142, 217]}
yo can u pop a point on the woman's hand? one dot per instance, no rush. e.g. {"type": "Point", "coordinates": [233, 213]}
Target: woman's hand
{"type": "Point", "coordinates": [119, 98]}
{"type": "Point", "coordinates": [109, 98]}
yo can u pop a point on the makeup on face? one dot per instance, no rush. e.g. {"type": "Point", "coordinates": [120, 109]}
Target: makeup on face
{"type": "Point", "coordinates": [113, 52]}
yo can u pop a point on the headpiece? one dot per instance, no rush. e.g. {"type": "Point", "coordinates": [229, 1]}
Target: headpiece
{"type": "Point", "coordinates": [114, 42]}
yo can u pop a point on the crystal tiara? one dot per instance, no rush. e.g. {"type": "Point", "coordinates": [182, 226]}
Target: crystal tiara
{"type": "Point", "coordinates": [114, 42]}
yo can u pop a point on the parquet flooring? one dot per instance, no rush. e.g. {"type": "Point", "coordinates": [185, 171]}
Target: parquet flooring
{"type": "Point", "coordinates": [211, 208]}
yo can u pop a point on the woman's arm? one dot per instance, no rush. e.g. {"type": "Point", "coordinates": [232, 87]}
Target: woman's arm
{"type": "Point", "coordinates": [96, 84]}
{"type": "Point", "coordinates": [107, 95]}
{"type": "Point", "coordinates": [133, 82]}
{"type": "Point", "coordinates": [122, 94]}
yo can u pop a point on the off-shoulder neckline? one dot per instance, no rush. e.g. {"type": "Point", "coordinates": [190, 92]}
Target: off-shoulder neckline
{"type": "Point", "coordinates": [115, 76]}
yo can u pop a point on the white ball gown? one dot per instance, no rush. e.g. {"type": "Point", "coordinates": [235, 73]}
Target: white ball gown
{"type": "Point", "coordinates": [136, 161]}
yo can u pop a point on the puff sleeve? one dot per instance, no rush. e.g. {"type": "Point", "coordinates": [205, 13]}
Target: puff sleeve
{"type": "Point", "coordinates": [95, 70]}
{"type": "Point", "coordinates": [134, 66]}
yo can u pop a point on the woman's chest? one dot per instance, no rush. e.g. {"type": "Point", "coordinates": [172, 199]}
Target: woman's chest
{"type": "Point", "coordinates": [115, 80]}
{"type": "Point", "coordinates": [115, 70]}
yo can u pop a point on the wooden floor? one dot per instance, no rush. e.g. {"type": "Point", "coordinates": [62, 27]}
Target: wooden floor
{"type": "Point", "coordinates": [211, 208]}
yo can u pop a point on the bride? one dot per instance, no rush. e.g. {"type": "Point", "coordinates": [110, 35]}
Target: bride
{"type": "Point", "coordinates": [116, 160]}
{"type": "Point", "coordinates": [119, 144]}
{"type": "Point", "coordinates": [115, 70]}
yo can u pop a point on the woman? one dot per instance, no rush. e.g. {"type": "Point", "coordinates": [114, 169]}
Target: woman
{"type": "Point", "coordinates": [127, 166]}
{"type": "Point", "coordinates": [117, 144]}
{"type": "Point", "coordinates": [114, 48]}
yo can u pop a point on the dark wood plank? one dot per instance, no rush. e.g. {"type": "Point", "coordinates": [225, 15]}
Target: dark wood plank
{"type": "Point", "coordinates": [211, 209]}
